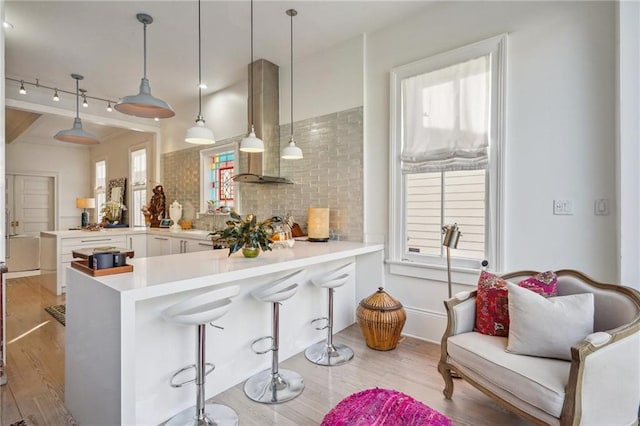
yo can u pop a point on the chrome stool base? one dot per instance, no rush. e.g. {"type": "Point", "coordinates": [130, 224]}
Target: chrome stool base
{"type": "Point", "coordinates": [215, 415]}
{"type": "Point", "coordinates": [323, 354]}
{"type": "Point", "coordinates": [270, 388]}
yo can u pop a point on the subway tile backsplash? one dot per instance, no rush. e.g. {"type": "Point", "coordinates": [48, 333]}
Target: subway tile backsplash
{"type": "Point", "coordinates": [329, 175]}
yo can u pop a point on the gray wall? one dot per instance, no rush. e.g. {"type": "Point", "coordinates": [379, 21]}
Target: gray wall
{"type": "Point", "coordinates": [329, 175]}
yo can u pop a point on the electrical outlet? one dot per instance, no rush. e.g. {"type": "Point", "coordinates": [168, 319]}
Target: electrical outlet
{"type": "Point", "coordinates": [562, 207]}
{"type": "Point", "coordinates": [601, 207]}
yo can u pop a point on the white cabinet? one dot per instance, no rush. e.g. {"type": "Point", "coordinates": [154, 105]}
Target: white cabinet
{"type": "Point", "coordinates": [197, 245]}
{"type": "Point", "coordinates": [187, 245]}
{"type": "Point", "coordinates": [158, 245]}
{"type": "Point", "coordinates": [57, 252]}
{"type": "Point", "coordinates": [137, 243]}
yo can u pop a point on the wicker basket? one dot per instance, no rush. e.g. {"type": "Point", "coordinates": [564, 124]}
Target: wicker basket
{"type": "Point", "coordinates": [381, 318]}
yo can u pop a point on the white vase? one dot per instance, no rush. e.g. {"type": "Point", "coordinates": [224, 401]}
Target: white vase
{"type": "Point", "coordinates": [175, 213]}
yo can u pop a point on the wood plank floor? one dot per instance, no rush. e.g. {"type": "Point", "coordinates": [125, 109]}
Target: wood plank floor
{"type": "Point", "coordinates": [35, 363]}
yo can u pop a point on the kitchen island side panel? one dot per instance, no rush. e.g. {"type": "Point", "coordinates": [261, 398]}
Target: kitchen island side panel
{"type": "Point", "coordinates": [92, 351]}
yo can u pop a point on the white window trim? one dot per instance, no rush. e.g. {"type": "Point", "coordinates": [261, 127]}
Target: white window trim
{"type": "Point", "coordinates": [207, 153]}
{"type": "Point", "coordinates": [494, 234]}
{"type": "Point", "coordinates": [132, 149]}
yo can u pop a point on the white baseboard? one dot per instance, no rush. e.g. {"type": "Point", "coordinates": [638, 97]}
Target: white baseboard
{"type": "Point", "coordinates": [424, 324]}
{"type": "Point", "coordinates": [22, 274]}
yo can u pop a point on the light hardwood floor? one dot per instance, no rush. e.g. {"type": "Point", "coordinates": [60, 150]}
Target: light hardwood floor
{"type": "Point", "coordinates": [35, 363]}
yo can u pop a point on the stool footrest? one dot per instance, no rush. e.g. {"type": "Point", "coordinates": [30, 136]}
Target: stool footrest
{"type": "Point", "coordinates": [260, 340]}
{"type": "Point", "coordinates": [314, 321]}
{"type": "Point", "coordinates": [210, 369]}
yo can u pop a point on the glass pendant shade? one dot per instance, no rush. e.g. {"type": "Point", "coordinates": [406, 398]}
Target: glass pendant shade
{"type": "Point", "coordinates": [76, 134]}
{"type": "Point", "coordinates": [200, 134]}
{"type": "Point", "coordinates": [144, 104]}
{"type": "Point", "coordinates": [251, 143]}
{"type": "Point", "coordinates": [291, 151]}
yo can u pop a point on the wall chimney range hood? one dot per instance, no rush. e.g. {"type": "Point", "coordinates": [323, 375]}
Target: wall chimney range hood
{"type": "Point", "coordinates": [264, 167]}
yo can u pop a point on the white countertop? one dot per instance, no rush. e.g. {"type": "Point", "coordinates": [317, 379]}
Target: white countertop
{"type": "Point", "coordinates": [199, 234]}
{"type": "Point", "coordinates": [163, 275]}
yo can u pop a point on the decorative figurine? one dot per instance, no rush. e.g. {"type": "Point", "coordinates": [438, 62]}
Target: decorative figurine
{"type": "Point", "coordinates": [157, 206]}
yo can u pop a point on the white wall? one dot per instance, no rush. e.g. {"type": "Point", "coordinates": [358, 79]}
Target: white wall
{"type": "Point", "coordinates": [68, 163]}
{"type": "Point", "coordinates": [560, 133]}
{"type": "Point", "coordinates": [225, 113]}
{"type": "Point", "coordinates": [327, 82]}
{"type": "Point", "coordinates": [629, 151]}
{"type": "Point", "coordinates": [3, 182]}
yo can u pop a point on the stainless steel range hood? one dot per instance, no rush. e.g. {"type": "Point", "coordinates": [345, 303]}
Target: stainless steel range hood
{"type": "Point", "coordinates": [264, 167]}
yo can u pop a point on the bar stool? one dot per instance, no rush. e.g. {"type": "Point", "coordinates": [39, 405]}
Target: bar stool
{"type": "Point", "coordinates": [273, 386]}
{"type": "Point", "coordinates": [199, 311]}
{"type": "Point", "coordinates": [326, 352]}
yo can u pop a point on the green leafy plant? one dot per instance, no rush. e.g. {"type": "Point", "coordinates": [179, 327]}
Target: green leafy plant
{"type": "Point", "coordinates": [244, 232]}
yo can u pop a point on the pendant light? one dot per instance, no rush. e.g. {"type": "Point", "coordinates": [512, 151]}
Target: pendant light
{"type": "Point", "coordinates": [251, 143]}
{"type": "Point", "coordinates": [200, 134]}
{"type": "Point", "coordinates": [291, 151]}
{"type": "Point", "coordinates": [77, 134]}
{"type": "Point", "coordinates": [143, 104]}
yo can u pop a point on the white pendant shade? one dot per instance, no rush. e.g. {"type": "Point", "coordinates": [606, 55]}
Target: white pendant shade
{"type": "Point", "coordinates": [200, 135]}
{"type": "Point", "coordinates": [251, 143]}
{"type": "Point", "coordinates": [291, 151]}
{"type": "Point", "coordinates": [76, 134]}
{"type": "Point", "coordinates": [144, 104]}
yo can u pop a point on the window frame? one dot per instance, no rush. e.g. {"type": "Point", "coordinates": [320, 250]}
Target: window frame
{"type": "Point", "coordinates": [133, 213]}
{"type": "Point", "coordinates": [99, 190]}
{"type": "Point", "coordinates": [207, 153]}
{"type": "Point", "coordinates": [494, 227]}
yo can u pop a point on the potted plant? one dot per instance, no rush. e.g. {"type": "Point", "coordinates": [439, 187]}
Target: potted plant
{"type": "Point", "coordinates": [245, 233]}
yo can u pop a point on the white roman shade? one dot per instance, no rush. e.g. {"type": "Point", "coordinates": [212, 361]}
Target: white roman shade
{"type": "Point", "coordinates": [446, 118]}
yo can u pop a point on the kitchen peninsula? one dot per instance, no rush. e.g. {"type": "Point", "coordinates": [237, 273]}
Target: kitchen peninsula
{"type": "Point", "coordinates": [120, 353]}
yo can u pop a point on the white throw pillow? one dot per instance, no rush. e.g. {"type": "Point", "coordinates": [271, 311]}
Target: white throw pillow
{"type": "Point", "coordinates": [547, 327]}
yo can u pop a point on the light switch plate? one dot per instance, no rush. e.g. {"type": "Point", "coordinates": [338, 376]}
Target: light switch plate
{"type": "Point", "coordinates": [562, 207]}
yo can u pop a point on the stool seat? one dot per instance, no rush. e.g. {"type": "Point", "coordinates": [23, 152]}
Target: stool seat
{"type": "Point", "coordinates": [203, 308]}
{"type": "Point", "coordinates": [326, 352]}
{"type": "Point", "coordinates": [199, 310]}
{"type": "Point", "coordinates": [332, 283]}
{"type": "Point", "coordinates": [279, 290]}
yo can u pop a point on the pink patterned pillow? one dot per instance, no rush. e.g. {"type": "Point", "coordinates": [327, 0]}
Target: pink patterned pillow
{"type": "Point", "coordinates": [544, 283]}
{"type": "Point", "coordinates": [492, 300]}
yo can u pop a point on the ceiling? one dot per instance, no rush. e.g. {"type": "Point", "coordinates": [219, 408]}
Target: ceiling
{"type": "Point", "coordinates": [102, 40]}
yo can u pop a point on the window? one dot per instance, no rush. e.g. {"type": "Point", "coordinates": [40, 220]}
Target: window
{"type": "Point", "coordinates": [100, 187]}
{"type": "Point", "coordinates": [217, 169]}
{"type": "Point", "coordinates": [138, 173]}
{"type": "Point", "coordinates": [447, 130]}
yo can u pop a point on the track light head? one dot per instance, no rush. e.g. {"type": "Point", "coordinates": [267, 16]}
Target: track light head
{"type": "Point", "coordinates": [22, 90]}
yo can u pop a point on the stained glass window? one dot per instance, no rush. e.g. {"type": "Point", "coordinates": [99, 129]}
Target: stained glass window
{"type": "Point", "coordinates": [222, 169]}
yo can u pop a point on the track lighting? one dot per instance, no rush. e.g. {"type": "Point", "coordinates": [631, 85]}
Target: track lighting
{"type": "Point", "coordinates": [56, 92]}
{"type": "Point", "coordinates": [84, 98]}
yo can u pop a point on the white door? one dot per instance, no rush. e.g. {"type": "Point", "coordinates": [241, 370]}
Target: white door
{"type": "Point", "coordinates": [31, 204]}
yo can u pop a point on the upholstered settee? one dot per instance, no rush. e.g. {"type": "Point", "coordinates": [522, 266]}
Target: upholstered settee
{"type": "Point", "coordinates": [600, 385]}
